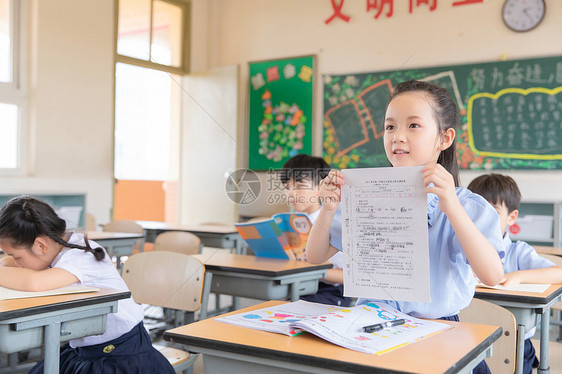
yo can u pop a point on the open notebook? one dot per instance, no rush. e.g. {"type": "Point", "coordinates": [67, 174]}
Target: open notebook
{"type": "Point", "coordinates": [7, 293]}
{"type": "Point", "coordinates": [339, 325]}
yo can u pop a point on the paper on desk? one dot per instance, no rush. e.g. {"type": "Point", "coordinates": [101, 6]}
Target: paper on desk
{"type": "Point", "coordinates": [7, 293]}
{"type": "Point", "coordinates": [522, 287]}
{"type": "Point", "coordinates": [384, 231]}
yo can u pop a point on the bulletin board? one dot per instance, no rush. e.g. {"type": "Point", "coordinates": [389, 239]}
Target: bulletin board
{"type": "Point", "coordinates": [510, 113]}
{"type": "Point", "coordinates": [280, 111]}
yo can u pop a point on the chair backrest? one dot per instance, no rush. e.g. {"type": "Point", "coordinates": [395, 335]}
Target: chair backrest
{"type": "Point", "coordinates": [167, 279]}
{"type": "Point", "coordinates": [487, 313]}
{"type": "Point", "coordinates": [90, 222]}
{"type": "Point", "coordinates": [215, 224]}
{"type": "Point", "coordinates": [257, 219]}
{"type": "Point", "coordinates": [178, 241]}
{"type": "Point", "coordinates": [123, 225]}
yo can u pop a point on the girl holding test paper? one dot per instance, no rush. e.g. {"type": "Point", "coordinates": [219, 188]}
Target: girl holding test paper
{"type": "Point", "coordinates": [419, 130]}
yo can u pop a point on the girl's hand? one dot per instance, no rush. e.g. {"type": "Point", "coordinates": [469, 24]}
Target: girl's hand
{"type": "Point", "coordinates": [330, 190]}
{"type": "Point", "coordinates": [511, 279]}
{"type": "Point", "coordinates": [443, 186]}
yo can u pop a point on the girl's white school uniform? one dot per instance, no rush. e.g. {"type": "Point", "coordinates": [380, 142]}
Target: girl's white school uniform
{"type": "Point", "coordinates": [102, 274]}
{"type": "Point", "coordinates": [452, 282]}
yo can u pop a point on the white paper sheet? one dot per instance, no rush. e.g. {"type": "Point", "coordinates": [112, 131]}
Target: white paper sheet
{"type": "Point", "coordinates": [522, 287]}
{"type": "Point", "coordinates": [384, 233]}
{"type": "Point", "coordinates": [7, 293]}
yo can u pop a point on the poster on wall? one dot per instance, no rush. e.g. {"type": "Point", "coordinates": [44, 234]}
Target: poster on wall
{"type": "Point", "coordinates": [510, 116]}
{"type": "Point", "coordinates": [280, 111]}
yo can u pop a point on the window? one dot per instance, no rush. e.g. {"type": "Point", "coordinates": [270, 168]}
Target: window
{"type": "Point", "coordinates": [151, 58]}
{"type": "Point", "coordinates": [146, 122]}
{"type": "Point", "coordinates": [152, 33]}
{"type": "Point", "coordinates": [12, 98]}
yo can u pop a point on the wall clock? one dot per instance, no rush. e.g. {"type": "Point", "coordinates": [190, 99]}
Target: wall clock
{"type": "Point", "coordinates": [523, 15]}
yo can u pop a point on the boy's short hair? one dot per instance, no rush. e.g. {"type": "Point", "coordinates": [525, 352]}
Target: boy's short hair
{"type": "Point", "coordinates": [497, 189]}
{"type": "Point", "coordinates": [303, 166]}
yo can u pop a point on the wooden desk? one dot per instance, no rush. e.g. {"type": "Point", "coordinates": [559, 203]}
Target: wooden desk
{"type": "Point", "coordinates": [50, 320]}
{"type": "Point", "coordinates": [258, 277]}
{"type": "Point", "coordinates": [210, 235]}
{"type": "Point", "coordinates": [548, 250]}
{"type": "Point", "coordinates": [526, 307]}
{"type": "Point", "coordinates": [117, 243]}
{"type": "Point", "coordinates": [234, 349]}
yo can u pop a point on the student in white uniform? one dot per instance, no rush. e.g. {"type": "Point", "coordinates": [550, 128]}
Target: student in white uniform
{"type": "Point", "coordinates": [43, 256]}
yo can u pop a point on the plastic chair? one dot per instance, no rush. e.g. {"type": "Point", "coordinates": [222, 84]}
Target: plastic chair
{"type": "Point", "coordinates": [170, 280]}
{"type": "Point", "coordinates": [487, 313]}
{"type": "Point", "coordinates": [90, 222]}
{"type": "Point", "coordinates": [125, 225]}
{"type": "Point", "coordinates": [178, 241]}
{"type": "Point", "coordinates": [257, 219]}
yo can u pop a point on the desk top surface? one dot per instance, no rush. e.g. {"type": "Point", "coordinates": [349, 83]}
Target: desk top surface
{"type": "Point", "coordinates": [34, 305]}
{"type": "Point", "coordinates": [548, 250]}
{"type": "Point", "coordinates": [218, 260]}
{"type": "Point", "coordinates": [107, 235]}
{"type": "Point", "coordinates": [537, 298]}
{"type": "Point", "coordinates": [444, 352]}
{"type": "Point", "coordinates": [210, 228]}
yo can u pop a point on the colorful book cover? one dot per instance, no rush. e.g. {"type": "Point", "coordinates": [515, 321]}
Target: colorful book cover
{"type": "Point", "coordinates": [282, 236]}
{"type": "Point", "coordinates": [340, 325]}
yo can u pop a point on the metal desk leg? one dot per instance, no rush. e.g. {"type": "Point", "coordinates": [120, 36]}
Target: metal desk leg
{"type": "Point", "coordinates": [205, 297]}
{"type": "Point", "coordinates": [520, 349]}
{"type": "Point", "coordinates": [235, 303]}
{"type": "Point", "coordinates": [544, 366]}
{"type": "Point", "coordinates": [239, 245]}
{"type": "Point", "coordinates": [295, 294]}
{"type": "Point", "coordinates": [52, 348]}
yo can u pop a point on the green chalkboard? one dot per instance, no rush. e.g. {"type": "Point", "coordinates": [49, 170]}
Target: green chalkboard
{"type": "Point", "coordinates": [280, 111]}
{"type": "Point", "coordinates": [510, 113]}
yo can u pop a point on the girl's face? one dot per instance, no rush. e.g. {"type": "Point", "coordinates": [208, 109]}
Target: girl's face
{"type": "Point", "coordinates": [39, 257]}
{"type": "Point", "coordinates": [411, 136]}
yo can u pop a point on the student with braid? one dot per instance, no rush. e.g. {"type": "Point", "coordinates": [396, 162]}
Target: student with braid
{"type": "Point", "coordinates": [43, 256]}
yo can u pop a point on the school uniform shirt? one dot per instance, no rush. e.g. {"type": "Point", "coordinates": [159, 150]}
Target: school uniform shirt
{"type": "Point", "coordinates": [337, 259]}
{"type": "Point", "coordinates": [452, 282]}
{"type": "Point", "coordinates": [521, 256]}
{"type": "Point", "coordinates": [103, 274]}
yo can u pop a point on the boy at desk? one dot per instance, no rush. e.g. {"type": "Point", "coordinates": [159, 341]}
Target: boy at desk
{"type": "Point", "coordinates": [301, 176]}
{"type": "Point", "coordinates": [521, 263]}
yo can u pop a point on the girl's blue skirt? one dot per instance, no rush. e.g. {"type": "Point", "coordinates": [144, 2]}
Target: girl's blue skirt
{"type": "Point", "coordinates": [130, 353]}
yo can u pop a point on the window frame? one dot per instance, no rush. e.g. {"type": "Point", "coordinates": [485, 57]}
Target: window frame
{"type": "Point", "coordinates": [184, 65]}
{"type": "Point", "coordinates": [15, 92]}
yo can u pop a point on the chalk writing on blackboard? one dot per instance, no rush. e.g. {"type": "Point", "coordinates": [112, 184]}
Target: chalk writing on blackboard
{"type": "Point", "coordinates": [516, 123]}
{"type": "Point", "coordinates": [519, 129]}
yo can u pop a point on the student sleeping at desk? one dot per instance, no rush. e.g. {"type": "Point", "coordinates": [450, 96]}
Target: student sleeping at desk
{"type": "Point", "coordinates": [42, 255]}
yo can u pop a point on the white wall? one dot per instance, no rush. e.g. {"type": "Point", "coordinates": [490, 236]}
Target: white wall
{"type": "Point", "coordinates": [253, 30]}
{"type": "Point", "coordinates": [70, 107]}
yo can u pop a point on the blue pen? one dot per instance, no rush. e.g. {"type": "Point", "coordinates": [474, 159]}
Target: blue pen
{"type": "Point", "coordinates": [380, 326]}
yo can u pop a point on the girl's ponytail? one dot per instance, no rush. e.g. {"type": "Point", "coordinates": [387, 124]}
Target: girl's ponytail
{"type": "Point", "coordinates": [24, 218]}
